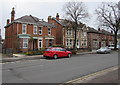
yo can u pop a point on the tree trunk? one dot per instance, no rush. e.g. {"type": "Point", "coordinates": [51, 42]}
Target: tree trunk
{"type": "Point", "coordinates": [75, 36]}
{"type": "Point", "coordinates": [115, 41]}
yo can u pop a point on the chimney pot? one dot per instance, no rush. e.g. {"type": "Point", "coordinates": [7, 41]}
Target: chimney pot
{"type": "Point", "coordinates": [8, 21]}
{"type": "Point", "coordinates": [57, 16]}
{"type": "Point", "coordinates": [12, 14]}
{"type": "Point", "coordinates": [98, 29]}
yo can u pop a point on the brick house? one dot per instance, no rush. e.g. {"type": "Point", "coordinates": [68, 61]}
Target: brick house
{"type": "Point", "coordinates": [58, 23]}
{"type": "Point", "coordinates": [29, 33]}
{"type": "Point", "coordinates": [99, 38]}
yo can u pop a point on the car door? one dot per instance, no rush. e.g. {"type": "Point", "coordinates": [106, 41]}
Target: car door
{"type": "Point", "coordinates": [64, 52]}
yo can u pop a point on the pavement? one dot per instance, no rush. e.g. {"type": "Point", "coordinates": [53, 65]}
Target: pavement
{"type": "Point", "coordinates": [110, 75]}
{"type": "Point", "coordinates": [104, 77]}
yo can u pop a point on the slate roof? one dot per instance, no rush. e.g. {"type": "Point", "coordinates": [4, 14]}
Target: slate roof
{"type": "Point", "coordinates": [92, 30]}
{"type": "Point", "coordinates": [102, 31]}
{"type": "Point", "coordinates": [105, 32]}
{"type": "Point", "coordinates": [31, 20]}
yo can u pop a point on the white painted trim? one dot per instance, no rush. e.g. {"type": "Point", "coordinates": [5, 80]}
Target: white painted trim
{"type": "Point", "coordinates": [41, 43]}
{"type": "Point", "coordinates": [34, 29]}
{"type": "Point", "coordinates": [27, 43]}
{"type": "Point", "coordinates": [25, 29]}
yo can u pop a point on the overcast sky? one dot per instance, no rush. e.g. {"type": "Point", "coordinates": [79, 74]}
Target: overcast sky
{"type": "Point", "coordinates": [42, 9]}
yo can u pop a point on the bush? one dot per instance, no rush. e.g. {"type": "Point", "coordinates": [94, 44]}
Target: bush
{"type": "Point", "coordinates": [29, 53]}
{"type": "Point", "coordinates": [58, 46]}
{"type": "Point", "coordinates": [39, 52]}
{"type": "Point", "coordinates": [74, 52]}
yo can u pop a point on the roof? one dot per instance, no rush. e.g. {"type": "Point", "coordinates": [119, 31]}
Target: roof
{"type": "Point", "coordinates": [105, 32]}
{"type": "Point", "coordinates": [61, 21]}
{"type": "Point", "coordinates": [31, 20]}
{"type": "Point", "coordinates": [92, 30]}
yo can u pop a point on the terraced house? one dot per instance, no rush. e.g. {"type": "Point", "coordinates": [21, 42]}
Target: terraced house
{"type": "Point", "coordinates": [99, 38]}
{"type": "Point", "coordinates": [29, 33]}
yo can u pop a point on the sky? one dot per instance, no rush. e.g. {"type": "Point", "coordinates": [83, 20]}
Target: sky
{"type": "Point", "coordinates": [44, 8]}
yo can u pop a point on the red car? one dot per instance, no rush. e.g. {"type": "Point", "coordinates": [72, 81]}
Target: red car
{"type": "Point", "coordinates": [56, 52]}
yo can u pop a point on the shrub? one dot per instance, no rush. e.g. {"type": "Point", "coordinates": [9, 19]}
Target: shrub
{"type": "Point", "coordinates": [74, 52]}
{"type": "Point", "coordinates": [29, 53]}
{"type": "Point", "coordinates": [58, 46]}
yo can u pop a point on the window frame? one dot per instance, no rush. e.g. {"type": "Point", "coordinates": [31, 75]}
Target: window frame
{"type": "Point", "coordinates": [24, 25]}
{"type": "Point", "coordinates": [39, 43]}
{"type": "Point", "coordinates": [25, 42]}
{"type": "Point", "coordinates": [49, 31]}
{"type": "Point", "coordinates": [35, 30]}
{"type": "Point", "coordinates": [40, 30]}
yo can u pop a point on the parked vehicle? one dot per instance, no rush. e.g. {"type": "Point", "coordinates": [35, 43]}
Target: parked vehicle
{"type": "Point", "coordinates": [104, 50]}
{"type": "Point", "coordinates": [112, 46]}
{"type": "Point", "coordinates": [56, 52]}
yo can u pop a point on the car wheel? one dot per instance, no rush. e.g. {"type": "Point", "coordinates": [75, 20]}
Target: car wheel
{"type": "Point", "coordinates": [55, 56]}
{"type": "Point", "coordinates": [105, 52]}
{"type": "Point", "coordinates": [69, 55]}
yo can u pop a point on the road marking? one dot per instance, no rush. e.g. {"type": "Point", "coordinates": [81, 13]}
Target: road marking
{"type": "Point", "coordinates": [90, 76]}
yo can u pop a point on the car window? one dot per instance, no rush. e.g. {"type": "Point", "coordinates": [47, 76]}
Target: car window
{"type": "Point", "coordinates": [47, 50]}
{"type": "Point", "coordinates": [63, 50]}
{"type": "Point", "coordinates": [56, 49]}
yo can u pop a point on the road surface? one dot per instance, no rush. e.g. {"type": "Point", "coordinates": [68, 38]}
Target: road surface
{"type": "Point", "coordinates": [56, 71]}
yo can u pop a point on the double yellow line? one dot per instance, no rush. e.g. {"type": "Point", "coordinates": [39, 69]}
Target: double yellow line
{"type": "Point", "coordinates": [90, 76]}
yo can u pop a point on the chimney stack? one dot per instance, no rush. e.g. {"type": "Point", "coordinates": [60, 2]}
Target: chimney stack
{"type": "Point", "coordinates": [57, 16]}
{"type": "Point", "coordinates": [8, 21]}
{"type": "Point", "coordinates": [12, 14]}
{"type": "Point", "coordinates": [98, 29]}
{"type": "Point", "coordinates": [111, 32]}
{"type": "Point", "coordinates": [49, 19]}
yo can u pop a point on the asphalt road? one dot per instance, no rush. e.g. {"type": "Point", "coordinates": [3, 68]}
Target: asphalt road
{"type": "Point", "coordinates": [56, 71]}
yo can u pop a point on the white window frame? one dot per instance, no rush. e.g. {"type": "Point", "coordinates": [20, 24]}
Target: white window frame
{"type": "Point", "coordinates": [71, 42]}
{"type": "Point", "coordinates": [25, 42]}
{"type": "Point", "coordinates": [35, 30]}
{"type": "Point", "coordinates": [40, 30]}
{"type": "Point", "coordinates": [24, 27]}
{"type": "Point", "coordinates": [49, 31]}
{"type": "Point", "coordinates": [39, 43]}
{"type": "Point", "coordinates": [85, 34]}
{"type": "Point", "coordinates": [69, 32]}
{"type": "Point", "coordinates": [67, 42]}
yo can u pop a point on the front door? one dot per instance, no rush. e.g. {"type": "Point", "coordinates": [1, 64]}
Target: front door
{"type": "Point", "coordinates": [35, 44]}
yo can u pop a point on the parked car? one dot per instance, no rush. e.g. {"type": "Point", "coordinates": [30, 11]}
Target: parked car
{"type": "Point", "coordinates": [112, 46]}
{"type": "Point", "coordinates": [56, 52]}
{"type": "Point", "coordinates": [104, 50]}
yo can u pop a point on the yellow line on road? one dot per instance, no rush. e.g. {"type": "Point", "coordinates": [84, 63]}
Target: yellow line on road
{"type": "Point", "coordinates": [82, 79]}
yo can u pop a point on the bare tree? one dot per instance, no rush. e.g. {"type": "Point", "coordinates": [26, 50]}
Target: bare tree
{"type": "Point", "coordinates": [108, 16]}
{"type": "Point", "coordinates": [75, 12]}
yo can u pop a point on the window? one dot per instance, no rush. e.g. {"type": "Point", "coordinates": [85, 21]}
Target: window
{"type": "Point", "coordinates": [49, 31]}
{"type": "Point", "coordinates": [25, 43]}
{"type": "Point", "coordinates": [40, 43]}
{"type": "Point", "coordinates": [35, 29]}
{"type": "Point", "coordinates": [84, 33]}
{"type": "Point", "coordinates": [67, 42]}
{"type": "Point", "coordinates": [24, 28]}
{"type": "Point", "coordinates": [40, 30]}
{"type": "Point", "coordinates": [70, 41]}
{"type": "Point", "coordinates": [77, 42]}
{"type": "Point", "coordinates": [69, 31]}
